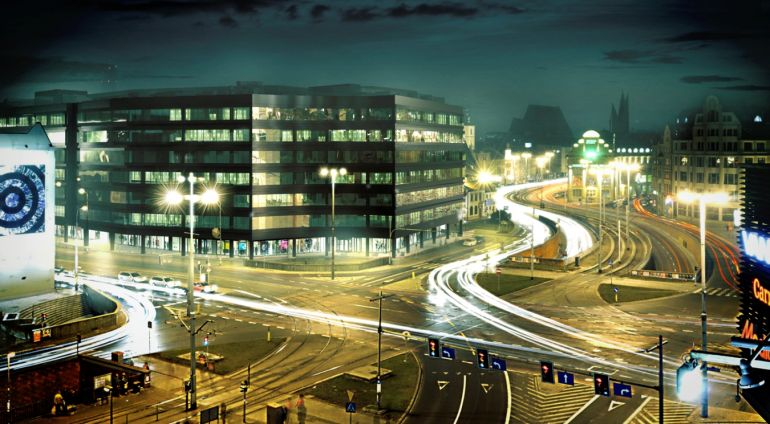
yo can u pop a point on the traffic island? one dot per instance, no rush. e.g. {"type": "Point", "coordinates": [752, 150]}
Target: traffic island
{"type": "Point", "coordinates": [397, 389]}
{"type": "Point", "coordinates": [225, 357]}
{"type": "Point", "coordinates": [508, 283]}
{"type": "Point", "coordinates": [613, 293]}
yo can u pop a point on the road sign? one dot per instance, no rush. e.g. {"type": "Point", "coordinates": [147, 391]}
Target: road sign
{"type": "Point", "coordinates": [621, 389]}
{"type": "Point", "coordinates": [433, 348]}
{"type": "Point", "coordinates": [350, 395]}
{"type": "Point", "coordinates": [566, 378]}
{"type": "Point", "coordinates": [209, 415]}
{"type": "Point", "coordinates": [498, 364]}
{"type": "Point", "coordinates": [482, 358]}
{"type": "Point", "coordinates": [350, 407]}
{"type": "Point", "coordinates": [602, 384]}
{"type": "Point", "coordinates": [546, 372]}
{"type": "Point", "coordinates": [447, 352]}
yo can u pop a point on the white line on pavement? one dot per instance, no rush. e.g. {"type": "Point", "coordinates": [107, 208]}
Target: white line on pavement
{"type": "Point", "coordinates": [581, 409]}
{"type": "Point", "coordinates": [508, 410]}
{"type": "Point", "coordinates": [638, 410]}
{"type": "Point", "coordinates": [462, 399]}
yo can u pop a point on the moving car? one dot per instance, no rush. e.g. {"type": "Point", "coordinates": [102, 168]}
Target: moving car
{"type": "Point", "coordinates": [470, 242]}
{"type": "Point", "coordinates": [131, 277]}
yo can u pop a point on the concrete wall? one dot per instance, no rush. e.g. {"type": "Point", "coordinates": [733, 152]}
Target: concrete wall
{"type": "Point", "coordinates": [27, 226]}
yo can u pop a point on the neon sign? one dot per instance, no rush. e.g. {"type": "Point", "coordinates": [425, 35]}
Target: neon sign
{"type": "Point", "coordinates": [756, 246]}
{"type": "Point", "coordinates": [760, 293]}
{"type": "Point", "coordinates": [748, 333]}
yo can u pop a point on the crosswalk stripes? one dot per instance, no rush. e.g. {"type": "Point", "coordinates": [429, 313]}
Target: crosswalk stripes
{"type": "Point", "coordinates": [553, 405]}
{"type": "Point", "coordinates": [711, 291]}
{"type": "Point", "coordinates": [673, 412]}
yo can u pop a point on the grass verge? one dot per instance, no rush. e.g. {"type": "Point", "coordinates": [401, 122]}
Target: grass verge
{"type": "Point", "coordinates": [631, 294]}
{"type": "Point", "coordinates": [396, 392]}
{"type": "Point", "coordinates": [235, 355]}
{"type": "Point", "coordinates": [508, 283]}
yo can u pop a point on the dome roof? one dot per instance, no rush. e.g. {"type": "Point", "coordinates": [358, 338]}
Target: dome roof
{"type": "Point", "coordinates": [591, 134]}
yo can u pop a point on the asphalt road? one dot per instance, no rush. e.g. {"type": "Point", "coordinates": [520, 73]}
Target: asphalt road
{"type": "Point", "coordinates": [457, 391]}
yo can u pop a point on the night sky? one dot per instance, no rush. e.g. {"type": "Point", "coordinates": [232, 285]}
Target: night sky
{"type": "Point", "coordinates": [492, 57]}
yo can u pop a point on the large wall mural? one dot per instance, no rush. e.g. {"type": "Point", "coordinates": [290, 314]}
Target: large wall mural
{"type": "Point", "coordinates": [22, 199]}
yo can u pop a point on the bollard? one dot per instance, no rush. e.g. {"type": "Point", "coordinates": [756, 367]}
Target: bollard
{"type": "Point", "coordinates": [268, 334]}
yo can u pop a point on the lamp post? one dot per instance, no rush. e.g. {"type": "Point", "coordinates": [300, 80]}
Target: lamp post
{"type": "Point", "coordinates": [379, 346]}
{"type": "Point", "coordinates": [84, 208]}
{"type": "Point", "coordinates": [390, 238]}
{"type": "Point", "coordinates": [332, 173]}
{"type": "Point", "coordinates": [175, 198]}
{"type": "Point", "coordinates": [629, 168]}
{"type": "Point", "coordinates": [526, 156]}
{"type": "Point", "coordinates": [599, 175]}
{"type": "Point", "coordinates": [8, 356]}
{"type": "Point", "coordinates": [211, 197]}
{"type": "Point", "coordinates": [703, 199]}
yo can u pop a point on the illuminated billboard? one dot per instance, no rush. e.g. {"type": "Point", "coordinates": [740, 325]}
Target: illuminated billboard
{"type": "Point", "coordinates": [754, 243]}
{"type": "Point", "coordinates": [27, 244]}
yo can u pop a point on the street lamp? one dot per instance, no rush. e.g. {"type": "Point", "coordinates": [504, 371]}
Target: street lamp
{"type": "Point", "coordinates": [84, 208]}
{"type": "Point", "coordinates": [379, 346]}
{"type": "Point", "coordinates": [526, 156]}
{"type": "Point", "coordinates": [703, 199]}
{"type": "Point", "coordinates": [628, 168]}
{"type": "Point", "coordinates": [173, 197]}
{"type": "Point", "coordinates": [390, 239]}
{"type": "Point", "coordinates": [332, 173]}
{"type": "Point", "coordinates": [599, 173]}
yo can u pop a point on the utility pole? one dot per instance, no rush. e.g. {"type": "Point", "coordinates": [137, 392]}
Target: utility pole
{"type": "Point", "coordinates": [659, 347]}
{"type": "Point", "coordinates": [379, 346]}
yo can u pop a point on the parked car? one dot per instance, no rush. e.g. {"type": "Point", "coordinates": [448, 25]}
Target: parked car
{"type": "Point", "coordinates": [470, 242]}
{"type": "Point", "coordinates": [124, 277]}
{"type": "Point", "coordinates": [138, 278]}
{"type": "Point", "coordinates": [201, 286]}
{"type": "Point", "coordinates": [131, 277]}
{"type": "Point", "coordinates": [165, 282]}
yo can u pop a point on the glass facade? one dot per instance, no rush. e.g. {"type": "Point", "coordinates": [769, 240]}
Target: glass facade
{"type": "Point", "coordinates": [404, 158]}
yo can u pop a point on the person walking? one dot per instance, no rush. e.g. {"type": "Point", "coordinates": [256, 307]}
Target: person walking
{"type": "Point", "coordinates": [287, 410]}
{"type": "Point", "coordinates": [301, 409]}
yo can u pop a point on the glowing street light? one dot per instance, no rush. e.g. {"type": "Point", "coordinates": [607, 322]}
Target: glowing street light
{"type": "Point", "coordinates": [173, 197]}
{"type": "Point", "coordinates": [526, 156]}
{"type": "Point", "coordinates": [703, 199]}
{"type": "Point", "coordinates": [332, 173]}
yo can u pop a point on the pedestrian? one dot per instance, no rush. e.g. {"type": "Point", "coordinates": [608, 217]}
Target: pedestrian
{"type": "Point", "coordinates": [301, 409]}
{"type": "Point", "coordinates": [58, 404]}
{"type": "Point", "coordinates": [287, 409]}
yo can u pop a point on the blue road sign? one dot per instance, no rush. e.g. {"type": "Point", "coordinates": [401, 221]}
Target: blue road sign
{"type": "Point", "coordinates": [566, 378]}
{"type": "Point", "coordinates": [350, 407]}
{"type": "Point", "coordinates": [498, 364]}
{"type": "Point", "coordinates": [615, 289]}
{"type": "Point", "coordinates": [621, 389]}
{"type": "Point", "coordinates": [447, 352]}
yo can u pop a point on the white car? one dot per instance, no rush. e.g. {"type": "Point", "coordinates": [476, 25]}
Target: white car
{"type": "Point", "coordinates": [132, 277]}
{"type": "Point", "coordinates": [470, 242]}
{"type": "Point", "coordinates": [165, 282]}
{"type": "Point", "coordinates": [124, 277]}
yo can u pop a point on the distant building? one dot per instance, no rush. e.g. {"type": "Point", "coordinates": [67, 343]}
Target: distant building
{"type": "Point", "coordinates": [262, 147]}
{"type": "Point", "coordinates": [543, 126]}
{"type": "Point", "coordinates": [620, 119]}
{"type": "Point", "coordinates": [703, 154]}
{"type": "Point", "coordinates": [470, 137]}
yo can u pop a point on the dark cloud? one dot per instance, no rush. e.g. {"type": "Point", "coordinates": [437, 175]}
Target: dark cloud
{"type": "Point", "coordinates": [318, 10]}
{"type": "Point", "coordinates": [171, 8]}
{"type": "Point", "coordinates": [364, 14]}
{"type": "Point", "coordinates": [631, 56]}
{"type": "Point", "coordinates": [700, 79]}
{"type": "Point", "coordinates": [748, 87]}
{"type": "Point", "coordinates": [228, 22]}
{"type": "Point", "coordinates": [425, 9]}
{"type": "Point", "coordinates": [693, 36]}
{"type": "Point", "coordinates": [42, 69]}
{"type": "Point", "coordinates": [292, 13]}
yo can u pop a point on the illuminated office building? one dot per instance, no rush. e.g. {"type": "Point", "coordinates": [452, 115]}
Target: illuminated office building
{"type": "Point", "coordinates": [262, 148]}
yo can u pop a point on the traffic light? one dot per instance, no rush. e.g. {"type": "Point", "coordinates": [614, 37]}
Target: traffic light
{"type": "Point", "coordinates": [546, 372]}
{"type": "Point", "coordinates": [433, 348]}
{"type": "Point", "coordinates": [482, 356]}
{"type": "Point", "coordinates": [244, 386]}
{"type": "Point", "coordinates": [187, 385]}
{"type": "Point", "coordinates": [205, 340]}
{"type": "Point", "coordinates": [80, 339]}
{"type": "Point", "coordinates": [602, 384]}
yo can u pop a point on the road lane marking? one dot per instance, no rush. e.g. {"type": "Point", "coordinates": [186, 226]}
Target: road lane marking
{"type": "Point", "coordinates": [508, 410]}
{"type": "Point", "coordinates": [321, 372]}
{"type": "Point", "coordinates": [442, 384]}
{"type": "Point", "coordinates": [638, 410]}
{"type": "Point", "coordinates": [462, 400]}
{"type": "Point", "coordinates": [486, 387]}
{"type": "Point", "coordinates": [615, 405]}
{"type": "Point", "coordinates": [583, 408]}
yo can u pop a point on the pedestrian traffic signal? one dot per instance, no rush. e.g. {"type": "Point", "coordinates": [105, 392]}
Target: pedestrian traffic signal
{"type": "Point", "coordinates": [244, 386]}
{"type": "Point", "coordinates": [205, 340]}
{"type": "Point", "coordinates": [482, 356]}
{"type": "Point", "coordinates": [546, 372]}
{"type": "Point", "coordinates": [602, 384]}
{"type": "Point", "coordinates": [433, 348]}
